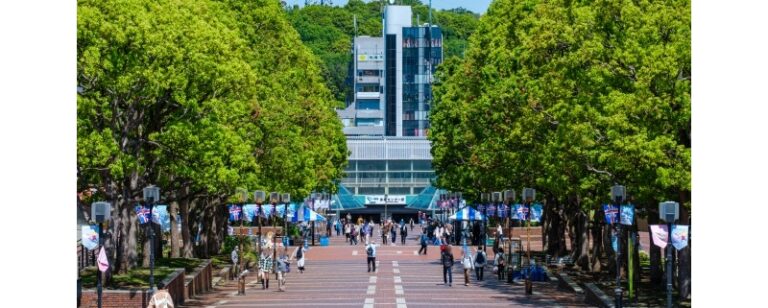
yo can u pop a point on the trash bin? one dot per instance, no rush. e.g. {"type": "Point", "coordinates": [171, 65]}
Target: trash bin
{"type": "Point", "coordinates": [323, 241]}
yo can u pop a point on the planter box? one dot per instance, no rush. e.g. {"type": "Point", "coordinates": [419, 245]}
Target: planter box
{"type": "Point", "coordinates": [138, 298]}
{"type": "Point", "coordinates": [200, 281]}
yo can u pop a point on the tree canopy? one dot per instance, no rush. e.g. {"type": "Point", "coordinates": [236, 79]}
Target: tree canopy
{"type": "Point", "coordinates": [200, 98]}
{"type": "Point", "coordinates": [569, 97]}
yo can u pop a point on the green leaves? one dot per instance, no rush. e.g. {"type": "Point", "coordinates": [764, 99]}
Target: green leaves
{"type": "Point", "coordinates": [570, 97]}
{"type": "Point", "coordinates": [209, 95]}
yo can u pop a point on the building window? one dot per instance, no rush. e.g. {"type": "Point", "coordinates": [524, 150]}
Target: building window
{"type": "Point", "coordinates": [369, 122]}
{"type": "Point", "coordinates": [368, 87]}
{"type": "Point", "coordinates": [399, 190]}
{"type": "Point", "coordinates": [368, 104]}
{"type": "Point", "coordinates": [368, 73]}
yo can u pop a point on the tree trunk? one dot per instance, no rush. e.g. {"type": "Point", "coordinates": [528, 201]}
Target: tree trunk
{"type": "Point", "coordinates": [597, 241]}
{"type": "Point", "coordinates": [173, 211]}
{"type": "Point", "coordinates": [546, 226]}
{"type": "Point", "coordinates": [582, 240]}
{"type": "Point", "coordinates": [655, 255]}
{"type": "Point", "coordinates": [186, 225]}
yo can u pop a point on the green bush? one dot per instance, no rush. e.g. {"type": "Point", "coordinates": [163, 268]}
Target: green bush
{"type": "Point", "coordinates": [645, 259]}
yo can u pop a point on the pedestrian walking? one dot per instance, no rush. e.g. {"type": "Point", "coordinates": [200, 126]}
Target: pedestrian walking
{"type": "Point", "coordinates": [393, 232]}
{"type": "Point", "coordinates": [423, 240]}
{"type": "Point", "coordinates": [384, 233]}
{"type": "Point", "coordinates": [480, 260]}
{"type": "Point", "coordinates": [403, 232]}
{"type": "Point", "coordinates": [499, 264]}
{"type": "Point", "coordinates": [446, 258]}
{"type": "Point", "coordinates": [353, 236]}
{"type": "Point", "coordinates": [411, 222]}
{"type": "Point", "coordinates": [467, 263]}
{"type": "Point", "coordinates": [282, 269]}
{"type": "Point", "coordinates": [265, 268]}
{"type": "Point", "coordinates": [370, 252]}
{"type": "Point", "coordinates": [347, 231]}
{"type": "Point", "coordinates": [300, 253]}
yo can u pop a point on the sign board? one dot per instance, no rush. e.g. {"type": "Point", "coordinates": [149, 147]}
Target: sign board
{"type": "Point", "coordinates": [679, 236]}
{"type": "Point", "coordinates": [379, 199]}
{"type": "Point", "coordinates": [627, 214]}
{"type": "Point", "coordinates": [366, 57]}
{"type": "Point", "coordinates": [611, 213]}
{"type": "Point", "coordinates": [90, 236]}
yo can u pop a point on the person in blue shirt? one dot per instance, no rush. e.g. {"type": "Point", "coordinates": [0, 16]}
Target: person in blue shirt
{"type": "Point", "coordinates": [423, 241]}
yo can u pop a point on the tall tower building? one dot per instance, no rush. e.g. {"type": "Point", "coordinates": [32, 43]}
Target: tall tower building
{"type": "Point", "coordinates": [390, 165]}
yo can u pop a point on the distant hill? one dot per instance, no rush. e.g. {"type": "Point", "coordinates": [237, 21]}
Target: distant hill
{"type": "Point", "coordinates": [328, 31]}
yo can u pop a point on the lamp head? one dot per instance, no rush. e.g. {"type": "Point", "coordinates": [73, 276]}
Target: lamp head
{"type": "Point", "coordinates": [509, 196]}
{"type": "Point", "coordinates": [618, 193]}
{"type": "Point", "coordinates": [259, 196]}
{"type": "Point", "coordinates": [529, 194]}
{"type": "Point", "coordinates": [151, 193]}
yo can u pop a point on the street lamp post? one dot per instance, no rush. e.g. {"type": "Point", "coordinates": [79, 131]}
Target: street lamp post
{"type": "Point", "coordinates": [669, 211]}
{"type": "Point", "coordinates": [618, 195]}
{"type": "Point", "coordinates": [496, 198]}
{"type": "Point", "coordinates": [243, 194]}
{"type": "Point", "coordinates": [385, 208]}
{"type": "Point", "coordinates": [100, 211]}
{"type": "Point", "coordinates": [286, 198]}
{"type": "Point", "coordinates": [259, 196]}
{"type": "Point", "coordinates": [529, 194]}
{"type": "Point", "coordinates": [151, 195]}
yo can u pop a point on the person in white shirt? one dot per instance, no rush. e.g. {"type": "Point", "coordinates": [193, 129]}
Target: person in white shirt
{"type": "Point", "coordinates": [499, 231]}
{"type": "Point", "coordinates": [468, 263]}
{"type": "Point", "coordinates": [370, 251]}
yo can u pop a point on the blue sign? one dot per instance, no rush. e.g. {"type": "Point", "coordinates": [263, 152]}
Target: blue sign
{"type": "Point", "coordinates": [611, 213]}
{"type": "Point", "coordinates": [627, 214]}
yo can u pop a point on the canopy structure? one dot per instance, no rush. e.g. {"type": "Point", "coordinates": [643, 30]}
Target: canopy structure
{"type": "Point", "coordinates": [425, 200]}
{"type": "Point", "coordinates": [467, 214]}
{"type": "Point", "coordinates": [344, 200]}
{"type": "Point", "coordinates": [306, 214]}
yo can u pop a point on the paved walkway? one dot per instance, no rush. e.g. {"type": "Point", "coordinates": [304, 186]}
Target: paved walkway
{"type": "Point", "coordinates": [337, 276]}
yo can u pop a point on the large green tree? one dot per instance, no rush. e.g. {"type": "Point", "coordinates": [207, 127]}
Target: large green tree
{"type": "Point", "coordinates": [200, 98]}
{"type": "Point", "coordinates": [570, 97]}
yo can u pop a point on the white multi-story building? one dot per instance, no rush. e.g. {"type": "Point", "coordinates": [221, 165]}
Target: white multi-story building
{"type": "Point", "coordinates": [386, 123]}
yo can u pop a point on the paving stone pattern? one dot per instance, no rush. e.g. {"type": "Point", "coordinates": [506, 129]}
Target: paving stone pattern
{"type": "Point", "coordinates": [337, 276]}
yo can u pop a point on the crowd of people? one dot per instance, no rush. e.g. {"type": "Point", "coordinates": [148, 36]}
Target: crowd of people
{"type": "Point", "coordinates": [366, 231]}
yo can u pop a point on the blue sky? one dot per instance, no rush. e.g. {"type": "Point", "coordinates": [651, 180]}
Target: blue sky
{"type": "Point", "coordinates": [477, 6]}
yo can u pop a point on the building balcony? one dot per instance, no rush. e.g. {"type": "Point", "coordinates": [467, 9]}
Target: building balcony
{"type": "Point", "coordinates": [370, 114]}
{"type": "Point", "coordinates": [368, 95]}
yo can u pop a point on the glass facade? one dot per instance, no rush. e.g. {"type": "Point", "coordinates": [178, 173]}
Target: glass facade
{"type": "Point", "coordinates": [390, 63]}
{"type": "Point", "coordinates": [422, 52]}
{"type": "Point", "coordinates": [396, 176]}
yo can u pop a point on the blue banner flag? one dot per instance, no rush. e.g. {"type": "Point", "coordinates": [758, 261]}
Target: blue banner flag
{"type": "Point", "coordinates": [536, 211]}
{"type": "Point", "coordinates": [627, 214]}
{"type": "Point", "coordinates": [503, 209]}
{"type": "Point", "coordinates": [522, 211]}
{"type": "Point", "coordinates": [161, 217]}
{"type": "Point", "coordinates": [491, 210]}
{"type": "Point", "coordinates": [235, 212]}
{"type": "Point", "coordinates": [611, 213]}
{"type": "Point", "coordinates": [90, 236]}
{"type": "Point", "coordinates": [142, 212]}
{"type": "Point", "coordinates": [249, 211]}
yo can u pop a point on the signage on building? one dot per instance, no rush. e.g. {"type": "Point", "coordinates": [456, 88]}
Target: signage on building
{"type": "Point", "coordinates": [364, 58]}
{"type": "Point", "coordinates": [379, 199]}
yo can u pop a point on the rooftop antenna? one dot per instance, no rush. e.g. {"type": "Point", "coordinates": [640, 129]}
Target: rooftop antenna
{"type": "Point", "coordinates": [430, 13]}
